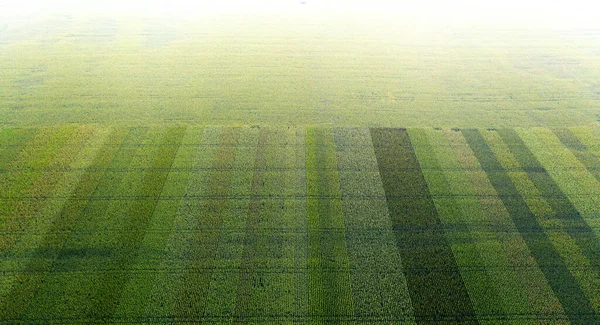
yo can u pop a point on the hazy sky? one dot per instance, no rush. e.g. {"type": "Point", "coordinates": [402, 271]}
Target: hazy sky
{"type": "Point", "coordinates": [577, 13]}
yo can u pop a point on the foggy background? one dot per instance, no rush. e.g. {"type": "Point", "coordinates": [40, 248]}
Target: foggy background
{"type": "Point", "coordinates": [552, 14]}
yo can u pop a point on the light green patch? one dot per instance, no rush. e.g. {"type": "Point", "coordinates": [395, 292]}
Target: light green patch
{"type": "Point", "coordinates": [466, 242]}
{"type": "Point", "coordinates": [378, 283]}
{"type": "Point", "coordinates": [330, 291]}
{"type": "Point", "coordinates": [520, 281]}
{"type": "Point", "coordinates": [138, 291]}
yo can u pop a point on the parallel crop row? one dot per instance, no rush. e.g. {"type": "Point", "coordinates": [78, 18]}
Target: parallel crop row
{"type": "Point", "coordinates": [184, 224]}
{"type": "Point", "coordinates": [436, 287]}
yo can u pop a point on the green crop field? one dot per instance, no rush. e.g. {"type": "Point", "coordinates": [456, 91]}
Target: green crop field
{"type": "Point", "coordinates": [295, 169]}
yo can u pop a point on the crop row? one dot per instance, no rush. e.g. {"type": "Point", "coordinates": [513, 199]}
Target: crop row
{"type": "Point", "coordinates": [306, 224]}
{"type": "Point", "coordinates": [564, 285]}
{"type": "Point", "coordinates": [434, 293]}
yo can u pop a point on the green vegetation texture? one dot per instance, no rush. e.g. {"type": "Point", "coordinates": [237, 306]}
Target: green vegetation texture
{"type": "Point", "coordinates": [298, 69]}
{"type": "Point", "coordinates": [176, 224]}
{"type": "Point", "coordinates": [297, 170]}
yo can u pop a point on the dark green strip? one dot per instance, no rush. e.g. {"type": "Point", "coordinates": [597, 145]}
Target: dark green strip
{"type": "Point", "coordinates": [436, 287]}
{"type": "Point", "coordinates": [23, 215]}
{"type": "Point", "coordinates": [39, 266]}
{"type": "Point", "coordinates": [370, 240]}
{"type": "Point", "coordinates": [111, 285]}
{"type": "Point", "coordinates": [204, 248]}
{"type": "Point", "coordinates": [76, 244]}
{"type": "Point", "coordinates": [253, 236]}
{"type": "Point", "coordinates": [575, 225]}
{"type": "Point", "coordinates": [565, 286]}
{"type": "Point", "coordinates": [588, 159]}
{"type": "Point", "coordinates": [22, 182]}
{"type": "Point", "coordinates": [485, 296]}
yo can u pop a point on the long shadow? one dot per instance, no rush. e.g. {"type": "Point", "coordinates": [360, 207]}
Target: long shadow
{"type": "Point", "coordinates": [437, 290]}
{"type": "Point", "coordinates": [566, 288]}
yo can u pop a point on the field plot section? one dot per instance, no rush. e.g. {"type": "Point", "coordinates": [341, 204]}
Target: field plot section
{"type": "Point", "coordinates": [312, 225]}
{"type": "Point", "coordinates": [300, 67]}
{"type": "Point", "coordinates": [437, 289]}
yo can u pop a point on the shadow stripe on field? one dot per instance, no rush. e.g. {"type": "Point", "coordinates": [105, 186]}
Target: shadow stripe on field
{"type": "Point", "coordinates": [137, 221]}
{"type": "Point", "coordinates": [33, 278]}
{"type": "Point", "coordinates": [252, 236]}
{"type": "Point", "coordinates": [579, 150]}
{"type": "Point", "coordinates": [564, 285]}
{"type": "Point", "coordinates": [563, 209]}
{"type": "Point", "coordinates": [59, 146]}
{"type": "Point", "coordinates": [440, 293]}
{"type": "Point", "coordinates": [195, 287]}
